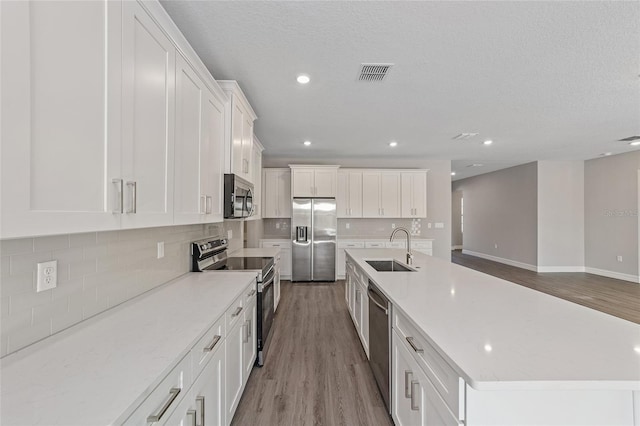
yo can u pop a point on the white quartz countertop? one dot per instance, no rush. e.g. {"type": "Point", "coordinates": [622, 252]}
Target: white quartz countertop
{"type": "Point", "coordinates": [255, 252]}
{"type": "Point", "coordinates": [90, 374]}
{"type": "Point", "coordinates": [500, 335]}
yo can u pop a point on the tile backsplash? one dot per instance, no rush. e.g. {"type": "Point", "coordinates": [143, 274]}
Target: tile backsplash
{"type": "Point", "coordinates": [96, 271]}
{"type": "Point", "coordinates": [358, 227]}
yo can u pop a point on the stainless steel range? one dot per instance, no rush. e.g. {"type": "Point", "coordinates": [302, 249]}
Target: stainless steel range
{"type": "Point", "coordinates": [211, 255]}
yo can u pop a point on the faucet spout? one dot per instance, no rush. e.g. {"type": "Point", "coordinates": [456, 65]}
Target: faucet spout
{"type": "Point", "coordinates": [409, 254]}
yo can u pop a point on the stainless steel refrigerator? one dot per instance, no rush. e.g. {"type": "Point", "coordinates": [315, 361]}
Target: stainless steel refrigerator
{"type": "Point", "coordinates": [314, 227]}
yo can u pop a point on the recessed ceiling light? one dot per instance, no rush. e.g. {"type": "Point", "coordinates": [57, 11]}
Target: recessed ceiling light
{"type": "Point", "coordinates": [453, 173]}
{"type": "Point", "coordinates": [488, 347]}
{"type": "Point", "coordinates": [487, 142]}
{"type": "Point", "coordinates": [303, 79]}
{"type": "Point", "coordinates": [306, 143]}
{"type": "Point", "coordinates": [635, 143]}
{"type": "Point", "coordinates": [393, 144]}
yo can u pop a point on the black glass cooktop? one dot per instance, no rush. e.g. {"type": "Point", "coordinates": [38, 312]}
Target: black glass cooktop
{"type": "Point", "coordinates": [247, 263]}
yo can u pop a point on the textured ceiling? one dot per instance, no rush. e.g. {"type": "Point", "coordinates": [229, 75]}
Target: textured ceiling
{"type": "Point", "coordinates": [543, 80]}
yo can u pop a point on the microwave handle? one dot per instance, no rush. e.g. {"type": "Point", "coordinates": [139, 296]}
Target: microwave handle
{"type": "Point", "coordinates": [253, 206]}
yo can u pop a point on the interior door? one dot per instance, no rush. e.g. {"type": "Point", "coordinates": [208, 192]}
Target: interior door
{"type": "Point", "coordinates": [324, 239]}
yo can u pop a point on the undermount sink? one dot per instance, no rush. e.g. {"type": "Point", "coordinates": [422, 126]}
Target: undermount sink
{"type": "Point", "coordinates": [388, 266]}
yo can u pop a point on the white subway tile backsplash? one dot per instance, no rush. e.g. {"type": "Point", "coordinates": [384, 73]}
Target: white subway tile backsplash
{"type": "Point", "coordinates": [18, 284]}
{"type": "Point", "coordinates": [5, 266]}
{"type": "Point", "coordinates": [89, 310]}
{"type": "Point", "coordinates": [22, 263]}
{"type": "Point", "coordinates": [95, 252]}
{"type": "Point", "coordinates": [4, 345]}
{"type": "Point", "coordinates": [66, 289]}
{"type": "Point", "coordinates": [15, 322]}
{"type": "Point", "coordinates": [107, 236]}
{"type": "Point", "coordinates": [59, 323]}
{"type": "Point", "coordinates": [44, 313]}
{"type": "Point", "coordinates": [27, 301]}
{"type": "Point", "coordinates": [82, 268]}
{"type": "Point", "coordinates": [53, 242]}
{"type": "Point", "coordinates": [20, 246]}
{"type": "Point", "coordinates": [83, 240]}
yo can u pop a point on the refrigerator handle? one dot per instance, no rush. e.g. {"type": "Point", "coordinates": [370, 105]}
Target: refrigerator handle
{"type": "Point", "coordinates": [301, 234]}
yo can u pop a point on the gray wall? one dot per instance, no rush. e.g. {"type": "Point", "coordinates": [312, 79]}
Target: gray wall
{"type": "Point", "coordinates": [560, 214]}
{"type": "Point", "coordinates": [501, 208]}
{"type": "Point", "coordinates": [611, 213]}
{"type": "Point", "coordinates": [456, 216]}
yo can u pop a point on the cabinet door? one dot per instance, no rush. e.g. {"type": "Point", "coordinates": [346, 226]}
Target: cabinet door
{"type": "Point", "coordinates": [284, 194]}
{"type": "Point", "coordinates": [355, 194]}
{"type": "Point", "coordinates": [237, 122]}
{"type": "Point", "coordinates": [256, 175]}
{"type": "Point", "coordinates": [371, 194]}
{"type": "Point", "coordinates": [285, 268]}
{"type": "Point", "coordinates": [340, 263]}
{"type": "Point", "coordinates": [357, 305]}
{"type": "Point", "coordinates": [414, 194]}
{"type": "Point", "coordinates": [303, 183]}
{"type": "Point", "coordinates": [234, 369]}
{"type": "Point", "coordinates": [364, 318]}
{"type": "Point", "coordinates": [208, 392]}
{"type": "Point", "coordinates": [184, 414]}
{"type": "Point", "coordinates": [404, 386]}
{"type": "Point", "coordinates": [190, 202]}
{"type": "Point", "coordinates": [270, 193]}
{"type": "Point", "coordinates": [390, 194]}
{"type": "Point", "coordinates": [325, 183]}
{"type": "Point", "coordinates": [342, 195]}
{"type": "Point", "coordinates": [60, 132]}
{"type": "Point", "coordinates": [276, 289]}
{"type": "Point", "coordinates": [247, 147]}
{"type": "Point", "coordinates": [250, 348]}
{"type": "Point", "coordinates": [147, 120]}
{"type": "Point", "coordinates": [212, 157]}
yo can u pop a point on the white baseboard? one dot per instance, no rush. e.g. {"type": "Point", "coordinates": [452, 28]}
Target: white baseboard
{"type": "Point", "coordinates": [502, 260]}
{"type": "Point", "coordinates": [613, 274]}
{"type": "Point", "coordinates": [456, 247]}
{"type": "Point", "coordinates": [561, 269]}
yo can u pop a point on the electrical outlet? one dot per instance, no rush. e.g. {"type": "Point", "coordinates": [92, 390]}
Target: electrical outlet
{"type": "Point", "coordinates": [495, 245]}
{"type": "Point", "coordinates": [393, 226]}
{"type": "Point", "coordinates": [347, 225]}
{"type": "Point", "coordinates": [619, 258]}
{"type": "Point", "coordinates": [230, 234]}
{"type": "Point", "coordinates": [277, 225]}
{"type": "Point", "coordinates": [429, 225]}
{"type": "Point", "coordinates": [160, 249]}
{"type": "Point", "coordinates": [47, 275]}
{"type": "Point", "coordinates": [439, 225]}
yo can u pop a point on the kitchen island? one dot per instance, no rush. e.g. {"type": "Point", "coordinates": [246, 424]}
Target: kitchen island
{"type": "Point", "coordinates": [498, 353]}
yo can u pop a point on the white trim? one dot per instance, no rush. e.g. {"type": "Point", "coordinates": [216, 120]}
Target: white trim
{"type": "Point", "coordinates": [561, 269]}
{"type": "Point", "coordinates": [456, 247]}
{"type": "Point", "coordinates": [502, 260]}
{"type": "Point", "coordinates": [613, 274]}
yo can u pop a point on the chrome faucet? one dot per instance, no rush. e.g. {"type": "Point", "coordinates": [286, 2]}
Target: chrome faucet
{"type": "Point", "coordinates": [409, 255]}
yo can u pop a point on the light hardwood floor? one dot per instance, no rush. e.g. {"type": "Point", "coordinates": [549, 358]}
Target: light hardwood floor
{"type": "Point", "coordinates": [316, 371]}
{"type": "Point", "coordinates": [615, 297]}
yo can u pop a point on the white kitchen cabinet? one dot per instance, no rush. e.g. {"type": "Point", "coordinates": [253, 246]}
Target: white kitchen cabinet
{"type": "Point", "coordinates": [423, 246]}
{"type": "Point", "coordinates": [358, 303]}
{"type": "Point", "coordinates": [314, 181]}
{"type": "Point", "coordinates": [148, 87]}
{"type": "Point", "coordinates": [199, 149]}
{"type": "Point", "coordinates": [380, 194]}
{"type": "Point", "coordinates": [250, 347]}
{"type": "Point", "coordinates": [61, 95]}
{"type": "Point", "coordinates": [276, 193]}
{"type": "Point", "coordinates": [341, 256]}
{"type": "Point", "coordinates": [238, 131]}
{"type": "Point", "coordinates": [256, 175]}
{"type": "Point", "coordinates": [285, 255]}
{"type": "Point", "coordinates": [234, 375]}
{"type": "Point", "coordinates": [276, 280]}
{"type": "Point", "coordinates": [349, 194]}
{"type": "Point", "coordinates": [414, 194]}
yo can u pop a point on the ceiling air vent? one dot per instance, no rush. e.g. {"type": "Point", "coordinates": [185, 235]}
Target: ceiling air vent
{"type": "Point", "coordinates": [629, 139]}
{"type": "Point", "coordinates": [373, 72]}
{"type": "Point", "coordinates": [464, 136]}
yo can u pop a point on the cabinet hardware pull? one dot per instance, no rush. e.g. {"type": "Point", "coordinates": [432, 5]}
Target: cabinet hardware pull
{"type": "Point", "coordinates": [251, 293]}
{"type": "Point", "coordinates": [213, 343]}
{"type": "Point", "coordinates": [191, 418]}
{"type": "Point", "coordinates": [173, 394]}
{"type": "Point", "coordinates": [411, 341]}
{"type": "Point", "coordinates": [200, 407]}
{"type": "Point", "coordinates": [203, 202]}
{"type": "Point", "coordinates": [407, 379]}
{"type": "Point", "coordinates": [134, 197]}
{"type": "Point", "coordinates": [249, 329]}
{"type": "Point", "coordinates": [414, 406]}
{"type": "Point", "coordinates": [237, 311]}
{"type": "Point", "coordinates": [119, 183]}
{"type": "Point", "coordinates": [245, 334]}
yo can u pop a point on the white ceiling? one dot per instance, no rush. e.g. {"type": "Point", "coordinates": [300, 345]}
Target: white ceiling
{"type": "Point", "coordinates": [543, 80]}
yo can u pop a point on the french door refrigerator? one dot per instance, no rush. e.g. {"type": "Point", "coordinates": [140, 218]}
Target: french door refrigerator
{"type": "Point", "coordinates": [313, 227]}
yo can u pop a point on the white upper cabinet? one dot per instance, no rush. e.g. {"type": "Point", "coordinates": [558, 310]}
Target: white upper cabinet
{"type": "Point", "coordinates": [148, 120]}
{"type": "Point", "coordinates": [256, 175]}
{"type": "Point", "coordinates": [199, 149]}
{"type": "Point", "coordinates": [380, 194]}
{"type": "Point", "coordinates": [60, 133]}
{"type": "Point", "coordinates": [414, 194]}
{"type": "Point", "coordinates": [314, 181]}
{"type": "Point", "coordinates": [349, 193]}
{"type": "Point", "coordinates": [238, 132]}
{"type": "Point", "coordinates": [276, 193]}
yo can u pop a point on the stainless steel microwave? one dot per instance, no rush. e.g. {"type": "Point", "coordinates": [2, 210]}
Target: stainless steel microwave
{"type": "Point", "coordinates": [238, 197]}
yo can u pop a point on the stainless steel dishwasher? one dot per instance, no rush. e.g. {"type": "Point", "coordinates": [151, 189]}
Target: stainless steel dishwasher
{"type": "Point", "coordinates": [379, 340]}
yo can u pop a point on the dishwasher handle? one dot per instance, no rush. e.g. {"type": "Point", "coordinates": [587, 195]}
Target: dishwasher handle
{"type": "Point", "coordinates": [371, 294]}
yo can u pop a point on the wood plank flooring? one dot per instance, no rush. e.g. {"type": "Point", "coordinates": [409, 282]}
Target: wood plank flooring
{"type": "Point", "coordinates": [608, 295]}
{"type": "Point", "coordinates": [316, 371]}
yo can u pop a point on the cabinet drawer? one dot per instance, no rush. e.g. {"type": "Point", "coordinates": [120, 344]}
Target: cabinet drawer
{"type": "Point", "coordinates": [165, 397]}
{"type": "Point", "coordinates": [234, 313]}
{"type": "Point", "coordinates": [347, 245]}
{"type": "Point", "coordinates": [208, 345]}
{"type": "Point", "coordinates": [396, 244]}
{"type": "Point", "coordinates": [375, 244]}
{"type": "Point", "coordinates": [276, 244]}
{"type": "Point", "coordinates": [421, 244]}
{"type": "Point", "coordinates": [250, 293]}
{"type": "Point", "coordinates": [444, 378]}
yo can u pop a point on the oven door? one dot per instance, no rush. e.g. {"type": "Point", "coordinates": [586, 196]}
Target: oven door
{"type": "Point", "coordinates": [265, 313]}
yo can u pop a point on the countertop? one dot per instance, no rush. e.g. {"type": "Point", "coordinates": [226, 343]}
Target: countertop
{"type": "Point", "coordinates": [90, 374]}
{"type": "Point", "coordinates": [500, 335]}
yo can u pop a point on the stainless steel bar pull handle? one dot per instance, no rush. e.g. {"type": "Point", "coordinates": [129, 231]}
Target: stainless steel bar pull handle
{"type": "Point", "coordinates": [213, 343]}
{"type": "Point", "coordinates": [412, 342]}
{"type": "Point", "coordinates": [249, 327]}
{"type": "Point", "coordinates": [245, 334]}
{"type": "Point", "coordinates": [191, 418]}
{"type": "Point", "coordinates": [251, 293]}
{"type": "Point", "coordinates": [414, 406]}
{"type": "Point", "coordinates": [119, 184]}
{"type": "Point", "coordinates": [237, 311]}
{"type": "Point", "coordinates": [173, 394]}
{"type": "Point", "coordinates": [407, 383]}
{"type": "Point", "coordinates": [203, 204]}
{"type": "Point", "coordinates": [200, 408]}
{"type": "Point", "coordinates": [134, 197]}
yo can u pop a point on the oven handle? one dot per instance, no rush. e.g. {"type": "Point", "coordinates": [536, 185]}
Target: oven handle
{"type": "Point", "coordinates": [267, 282]}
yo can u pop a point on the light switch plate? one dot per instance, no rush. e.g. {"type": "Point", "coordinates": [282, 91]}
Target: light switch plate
{"type": "Point", "coordinates": [439, 225]}
{"type": "Point", "coordinates": [160, 249]}
{"type": "Point", "coordinates": [619, 258]}
{"type": "Point", "coordinates": [47, 275]}
{"type": "Point", "coordinates": [230, 234]}
{"type": "Point", "coordinates": [347, 225]}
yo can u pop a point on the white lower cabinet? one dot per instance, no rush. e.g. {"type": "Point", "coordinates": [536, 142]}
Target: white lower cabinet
{"type": "Point", "coordinates": [250, 347]}
{"type": "Point", "coordinates": [356, 288]}
{"type": "Point", "coordinates": [285, 255]}
{"type": "Point", "coordinates": [235, 367]}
